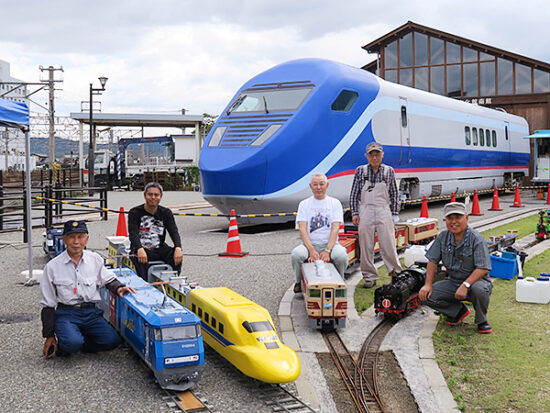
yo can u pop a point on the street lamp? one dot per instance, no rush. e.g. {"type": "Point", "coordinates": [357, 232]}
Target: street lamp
{"type": "Point", "coordinates": [91, 155]}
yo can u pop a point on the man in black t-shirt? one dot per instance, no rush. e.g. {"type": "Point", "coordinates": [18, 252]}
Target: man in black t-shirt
{"type": "Point", "coordinates": [147, 227]}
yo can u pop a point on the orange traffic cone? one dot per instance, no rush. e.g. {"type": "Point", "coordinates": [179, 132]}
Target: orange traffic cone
{"type": "Point", "coordinates": [424, 208]}
{"type": "Point", "coordinates": [495, 206]}
{"type": "Point", "coordinates": [453, 197]}
{"type": "Point", "coordinates": [341, 230]}
{"type": "Point", "coordinates": [517, 199]}
{"type": "Point", "coordinates": [121, 230]}
{"type": "Point", "coordinates": [548, 196]}
{"type": "Point", "coordinates": [233, 240]}
{"type": "Point", "coordinates": [475, 205]}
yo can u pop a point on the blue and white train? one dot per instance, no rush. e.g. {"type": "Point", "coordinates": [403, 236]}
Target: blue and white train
{"type": "Point", "coordinates": [313, 115]}
{"type": "Point", "coordinates": [165, 334]}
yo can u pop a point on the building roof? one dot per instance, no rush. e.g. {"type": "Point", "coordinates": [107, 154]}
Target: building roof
{"type": "Point", "coordinates": [376, 45]}
{"type": "Point", "coordinates": [138, 119]}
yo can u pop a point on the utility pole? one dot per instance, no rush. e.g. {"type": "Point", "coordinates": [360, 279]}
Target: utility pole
{"type": "Point", "coordinates": [51, 111]}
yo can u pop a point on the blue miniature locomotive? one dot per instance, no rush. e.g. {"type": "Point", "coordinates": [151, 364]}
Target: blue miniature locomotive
{"type": "Point", "coordinates": [53, 242]}
{"type": "Point", "coordinates": [166, 335]}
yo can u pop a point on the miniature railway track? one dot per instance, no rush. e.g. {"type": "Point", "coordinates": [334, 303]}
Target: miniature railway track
{"type": "Point", "coordinates": [280, 399]}
{"type": "Point", "coordinates": [187, 401]}
{"type": "Point", "coordinates": [359, 375]}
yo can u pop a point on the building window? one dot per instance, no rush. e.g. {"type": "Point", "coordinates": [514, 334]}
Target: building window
{"type": "Point", "coordinates": [406, 77]}
{"type": "Point", "coordinates": [469, 55]}
{"type": "Point", "coordinates": [437, 80]}
{"type": "Point", "coordinates": [453, 81]}
{"type": "Point", "coordinates": [487, 78]}
{"type": "Point", "coordinates": [453, 53]}
{"type": "Point", "coordinates": [421, 78]}
{"type": "Point", "coordinates": [405, 51]}
{"type": "Point", "coordinates": [523, 79]}
{"type": "Point", "coordinates": [436, 51]}
{"type": "Point", "coordinates": [505, 79]}
{"type": "Point", "coordinates": [391, 75]}
{"type": "Point", "coordinates": [467, 138]}
{"type": "Point", "coordinates": [541, 81]}
{"type": "Point", "coordinates": [470, 79]}
{"type": "Point", "coordinates": [474, 136]}
{"type": "Point", "coordinates": [390, 55]}
{"type": "Point", "coordinates": [420, 49]}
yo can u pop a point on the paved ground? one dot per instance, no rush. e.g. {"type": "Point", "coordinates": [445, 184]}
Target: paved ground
{"type": "Point", "coordinates": [117, 381]}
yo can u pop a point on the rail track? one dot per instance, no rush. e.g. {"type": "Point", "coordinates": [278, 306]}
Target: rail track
{"type": "Point", "coordinates": [359, 374]}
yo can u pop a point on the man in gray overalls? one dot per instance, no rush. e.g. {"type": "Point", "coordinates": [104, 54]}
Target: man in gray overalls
{"type": "Point", "coordinates": [374, 202]}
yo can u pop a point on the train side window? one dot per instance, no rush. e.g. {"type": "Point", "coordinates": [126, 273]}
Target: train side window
{"type": "Point", "coordinates": [200, 312]}
{"type": "Point", "coordinates": [340, 293]}
{"type": "Point", "coordinates": [506, 132]}
{"type": "Point", "coordinates": [314, 293]}
{"type": "Point", "coordinates": [213, 322]}
{"type": "Point", "coordinates": [474, 136]}
{"type": "Point", "coordinates": [206, 317]}
{"type": "Point", "coordinates": [487, 137]}
{"type": "Point", "coordinates": [481, 137]}
{"type": "Point", "coordinates": [345, 100]}
{"type": "Point", "coordinates": [467, 137]}
{"type": "Point", "coordinates": [495, 139]}
{"type": "Point", "coordinates": [220, 328]}
{"type": "Point", "coordinates": [403, 116]}
{"type": "Point", "coordinates": [194, 308]}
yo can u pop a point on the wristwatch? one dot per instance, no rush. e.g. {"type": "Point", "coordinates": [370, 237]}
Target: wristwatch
{"type": "Point", "coordinates": [328, 250]}
{"type": "Point", "coordinates": [466, 284]}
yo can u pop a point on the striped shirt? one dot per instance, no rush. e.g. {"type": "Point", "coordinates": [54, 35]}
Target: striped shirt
{"type": "Point", "coordinates": [385, 174]}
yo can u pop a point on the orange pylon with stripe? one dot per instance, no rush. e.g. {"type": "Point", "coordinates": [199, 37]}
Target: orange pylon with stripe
{"type": "Point", "coordinates": [495, 206]}
{"type": "Point", "coordinates": [453, 197]}
{"type": "Point", "coordinates": [233, 241]}
{"type": "Point", "coordinates": [424, 208]}
{"type": "Point", "coordinates": [475, 205]}
{"type": "Point", "coordinates": [121, 230]}
{"type": "Point", "coordinates": [517, 199]}
{"type": "Point", "coordinates": [548, 196]}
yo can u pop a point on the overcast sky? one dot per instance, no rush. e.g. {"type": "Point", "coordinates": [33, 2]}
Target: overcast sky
{"type": "Point", "coordinates": [161, 56]}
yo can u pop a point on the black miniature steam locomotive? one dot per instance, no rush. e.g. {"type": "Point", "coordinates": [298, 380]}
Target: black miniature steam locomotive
{"type": "Point", "coordinates": [399, 297]}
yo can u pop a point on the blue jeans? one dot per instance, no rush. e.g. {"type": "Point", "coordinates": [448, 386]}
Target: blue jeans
{"type": "Point", "coordinates": [84, 329]}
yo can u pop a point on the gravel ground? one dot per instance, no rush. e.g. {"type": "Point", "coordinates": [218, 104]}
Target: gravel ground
{"type": "Point", "coordinates": [117, 380]}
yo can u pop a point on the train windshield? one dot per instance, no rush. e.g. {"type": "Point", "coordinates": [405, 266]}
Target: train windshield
{"type": "Point", "coordinates": [177, 333]}
{"type": "Point", "coordinates": [270, 100]}
{"type": "Point", "coordinates": [257, 326]}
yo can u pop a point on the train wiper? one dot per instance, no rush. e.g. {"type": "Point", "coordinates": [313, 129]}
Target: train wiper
{"type": "Point", "coordinates": [265, 105]}
{"type": "Point", "coordinates": [237, 102]}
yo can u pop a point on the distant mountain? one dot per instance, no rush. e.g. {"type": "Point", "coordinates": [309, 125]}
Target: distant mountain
{"type": "Point", "coordinates": [65, 146]}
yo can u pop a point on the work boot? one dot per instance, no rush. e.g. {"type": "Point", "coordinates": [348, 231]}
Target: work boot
{"type": "Point", "coordinates": [484, 328]}
{"type": "Point", "coordinates": [462, 314]}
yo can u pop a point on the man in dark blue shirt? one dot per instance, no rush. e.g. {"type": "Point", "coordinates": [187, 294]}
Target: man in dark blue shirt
{"type": "Point", "coordinates": [464, 253]}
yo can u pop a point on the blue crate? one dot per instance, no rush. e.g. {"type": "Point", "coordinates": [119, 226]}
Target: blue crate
{"type": "Point", "coordinates": [503, 267]}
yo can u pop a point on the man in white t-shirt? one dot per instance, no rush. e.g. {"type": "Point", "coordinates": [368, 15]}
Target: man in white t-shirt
{"type": "Point", "coordinates": [319, 218]}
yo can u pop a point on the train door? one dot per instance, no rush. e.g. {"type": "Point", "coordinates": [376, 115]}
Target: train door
{"type": "Point", "coordinates": [405, 152]}
{"type": "Point", "coordinates": [328, 303]}
{"type": "Point", "coordinates": [508, 143]}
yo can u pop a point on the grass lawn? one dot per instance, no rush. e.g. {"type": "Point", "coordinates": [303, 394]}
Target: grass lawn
{"type": "Point", "coordinates": [524, 227]}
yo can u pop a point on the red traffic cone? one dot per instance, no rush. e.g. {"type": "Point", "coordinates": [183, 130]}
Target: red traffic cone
{"type": "Point", "coordinates": [233, 240]}
{"type": "Point", "coordinates": [517, 199]}
{"type": "Point", "coordinates": [121, 230]}
{"type": "Point", "coordinates": [475, 205]}
{"type": "Point", "coordinates": [548, 196]}
{"type": "Point", "coordinates": [424, 208]}
{"type": "Point", "coordinates": [495, 206]}
{"type": "Point", "coordinates": [453, 197]}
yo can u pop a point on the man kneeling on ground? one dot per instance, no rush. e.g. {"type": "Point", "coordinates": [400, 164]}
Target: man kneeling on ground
{"type": "Point", "coordinates": [319, 218]}
{"type": "Point", "coordinates": [464, 253]}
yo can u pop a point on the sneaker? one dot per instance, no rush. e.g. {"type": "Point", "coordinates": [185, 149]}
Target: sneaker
{"type": "Point", "coordinates": [484, 328]}
{"type": "Point", "coordinates": [297, 288]}
{"type": "Point", "coordinates": [462, 314]}
{"type": "Point", "coordinates": [369, 283]}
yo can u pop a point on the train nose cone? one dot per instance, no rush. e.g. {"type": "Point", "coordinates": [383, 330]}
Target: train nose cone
{"type": "Point", "coordinates": [233, 171]}
{"type": "Point", "coordinates": [284, 368]}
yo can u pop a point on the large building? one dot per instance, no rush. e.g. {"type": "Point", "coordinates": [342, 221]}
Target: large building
{"type": "Point", "coordinates": [449, 65]}
{"type": "Point", "coordinates": [12, 141]}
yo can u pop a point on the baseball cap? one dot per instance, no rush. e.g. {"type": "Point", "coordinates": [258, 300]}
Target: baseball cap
{"type": "Point", "coordinates": [454, 208]}
{"type": "Point", "coordinates": [373, 146]}
{"type": "Point", "coordinates": [73, 226]}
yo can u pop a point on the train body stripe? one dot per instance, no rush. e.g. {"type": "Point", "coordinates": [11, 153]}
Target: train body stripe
{"type": "Point", "coordinates": [215, 335]}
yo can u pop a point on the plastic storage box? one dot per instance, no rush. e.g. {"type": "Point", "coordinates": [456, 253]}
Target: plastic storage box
{"type": "Point", "coordinates": [502, 267]}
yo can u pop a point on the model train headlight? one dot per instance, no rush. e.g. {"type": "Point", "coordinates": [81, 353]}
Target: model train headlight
{"type": "Point", "coordinates": [217, 136]}
{"type": "Point", "coordinates": [268, 133]}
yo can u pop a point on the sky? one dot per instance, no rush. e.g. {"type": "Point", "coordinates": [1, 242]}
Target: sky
{"type": "Point", "coordinates": [165, 55]}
